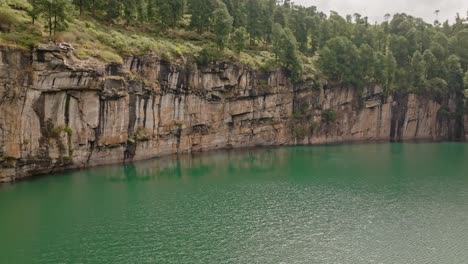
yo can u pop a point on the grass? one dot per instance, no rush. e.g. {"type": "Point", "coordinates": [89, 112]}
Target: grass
{"type": "Point", "coordinates": [16, 29]}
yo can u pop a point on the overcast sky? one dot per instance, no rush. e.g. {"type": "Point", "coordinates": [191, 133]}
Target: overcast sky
{"type": "Point", "coordinates": [376, 9]}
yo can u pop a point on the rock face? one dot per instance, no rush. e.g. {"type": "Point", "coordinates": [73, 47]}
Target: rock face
{"type": "Point", "coordinates": [59, 113]}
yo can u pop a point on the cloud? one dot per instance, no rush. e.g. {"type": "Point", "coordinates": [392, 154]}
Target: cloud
{"type": "Point", "coordinates": [376, 9]}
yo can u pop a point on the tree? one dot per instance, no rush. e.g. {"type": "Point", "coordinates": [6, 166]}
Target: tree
{"type": "Point", "coordinates": [433, 67]}
{"type": "Point", "coordinates": [459, 46]}
{"type": "Point", "coordinates": [113, 9]}
{"type": "Point", "coordinates": [239, 39]}
{"type": "Point", "coordinates": [170, 12]}
{"type": "Point", "coordinates": [439, 52]}
{"type": "Point", "coordinates": [279, 16]}
{"type": "Point", "coordinates": [390, 68]}
{"type": "Point", "coordinates": [202, 13]}
{"type": "Point", "coordinates": [142, 10]}
{"type": "Point", "coordinates": [253, 8]}
{"type": "Point", "coordinates": [399, 47]}
{"type": "Point", "coordinates": [418, 71]}
{"type": "Point", "coordinates": [222, 24]}
{"type": "Point", "coordinates": [152, 11]}
{"type": "Point", "coordinates": [454, 73]}
{"type": "Point", "coordinates": [285, 49]}
{"type": "Point", "coordinates": [130, 10]}
{"type": "Point", "coordinates": [277, 38]}
{"type": "Point", "coordinates": [437, 87]}
{"type": "Point", "coordinates": [338, 61]}
{"type": "Point", "coordinates": [237, 10]}
{"type": "Point", "coordinates": [298, 24]}
{"type": "Point", "coordinates": [366, 62]}
{"type": "Point", "coordinates": [81, 5]}
{"type": "Point", "coordinates": [36, 9]}
{"type": "Point", "coordinates": [57, 14]}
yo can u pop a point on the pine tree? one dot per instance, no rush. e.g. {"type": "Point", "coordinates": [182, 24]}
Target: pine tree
{"type": "Point", "coordinates": [170, 12]}
{"type": "Point", "coordinates": [202, 14]}
{"type": "Point", "coordinates": [222, 21]}
{"type": "Point", "coordinates": [57, 13]}
{"type": "Point", "coordinates": [454, 73]}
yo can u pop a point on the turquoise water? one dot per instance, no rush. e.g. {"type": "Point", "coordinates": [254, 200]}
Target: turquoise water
{"type": "Point", "coordinates": [389, 203]}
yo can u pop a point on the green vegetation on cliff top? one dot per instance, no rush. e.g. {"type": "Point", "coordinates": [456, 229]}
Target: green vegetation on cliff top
{"type": "Point", "coordinates": [403, 53]}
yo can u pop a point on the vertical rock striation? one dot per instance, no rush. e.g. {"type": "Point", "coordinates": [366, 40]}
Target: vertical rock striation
{"type": "Point", "coordinates": [60, 113]}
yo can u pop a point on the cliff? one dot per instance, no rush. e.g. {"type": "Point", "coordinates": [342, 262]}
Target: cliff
{"type": "Point", "coordinates": [57, 112]}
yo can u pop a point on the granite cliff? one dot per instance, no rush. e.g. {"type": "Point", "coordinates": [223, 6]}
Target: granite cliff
{"type": "Point", "coordinates": [57, 112]}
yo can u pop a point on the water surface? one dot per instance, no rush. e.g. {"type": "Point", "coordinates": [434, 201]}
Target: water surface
{"type": "Point", "coordinates": [389, 203]}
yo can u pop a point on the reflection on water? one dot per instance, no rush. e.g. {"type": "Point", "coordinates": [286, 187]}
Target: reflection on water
{"type": "Point", "coordinates": [388, 203]}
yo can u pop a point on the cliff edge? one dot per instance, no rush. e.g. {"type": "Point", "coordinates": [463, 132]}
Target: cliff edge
{"type": "Point", "coordinates": [58, 112]}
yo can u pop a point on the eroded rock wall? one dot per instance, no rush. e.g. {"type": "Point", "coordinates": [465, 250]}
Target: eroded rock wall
{"type": "Point", "coordinates": [60, 113]}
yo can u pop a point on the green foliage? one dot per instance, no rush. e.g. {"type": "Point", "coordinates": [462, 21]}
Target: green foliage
{"type": "Point", "coordinates": [142, 134]}
{"type": "Point", "coordinates": [338, 60]}
{"type": "Point", "coordinates": [222, 24]}
{"type": "Point", "coordinates": [454, 74]}
{"type": "Point", "coordinates": [259, 19]}
{"type": "Point", "coordinates": [465, 80]}
{"type": "Point", "coordinates": [239, 39]}
{"type": "Point", "coordinates": [285, 49]}
{"type": "Point", "coordinates": [399, 47]}
{"type": "Point", "coordinates": [366, 63]}
{"type": "Point", "coordinates": [209, 55]}
{"type": "Point", "coordinates": [329, 116]}
{"type": "Point", "coordinates": [202, 13]}
{"type": "Point", "coordinates": [389, 74]}
{"type": "Point", "coordinates": [418, 70]}
{"type": "Point", "coordinates": [459, 46]}
{"type": "Point", "coordinates": [300, 130]}
{"type": "Point", "coordinates": [68, 130]}
{"type": "Point", "coordinates": [169, 12]}
{"type": "Point", "coordinates": [7, 20]}
{"type": "Point", "coordinates": [437, 87]}
{"type": "Point", "coordinates": [57, 13]}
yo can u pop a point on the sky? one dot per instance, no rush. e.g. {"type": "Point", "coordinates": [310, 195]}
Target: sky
{"type": "Point", "coordinates": [376, 9]}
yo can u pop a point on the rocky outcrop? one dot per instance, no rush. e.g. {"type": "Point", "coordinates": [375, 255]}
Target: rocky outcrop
{"type": "Point", "coordinates": [61, 113]}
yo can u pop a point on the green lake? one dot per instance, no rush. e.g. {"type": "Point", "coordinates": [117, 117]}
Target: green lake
{"type": "Point", "coordinates": [385, 203]}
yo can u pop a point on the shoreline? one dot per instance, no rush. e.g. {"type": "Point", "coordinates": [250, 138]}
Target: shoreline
{"type": "Point", "coordinates": [191, 155]}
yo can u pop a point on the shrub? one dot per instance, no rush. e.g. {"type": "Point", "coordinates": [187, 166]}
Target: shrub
{"type": "Point", "coordinates": [69, 131]}
{"type": "Point", "coordinates": [208, 55]}
{"type": "Point", "coordinates": [329, 116]}
{"type": "Point", "coordinates": [110, 57]}
{"type": "Point", "coordinates": [7, 20]}
{"type": "Point", "coordinates": [56, 131]}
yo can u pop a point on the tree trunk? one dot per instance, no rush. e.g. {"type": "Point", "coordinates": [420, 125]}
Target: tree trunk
{"type": "Point", "coordinates": [55, 23]}
{"type": "Point", "coordinates": [50, 19]}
